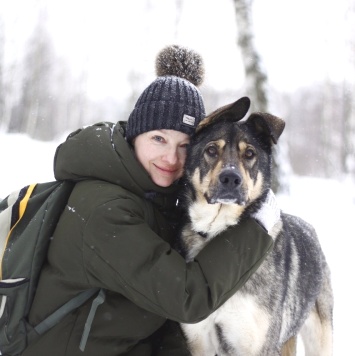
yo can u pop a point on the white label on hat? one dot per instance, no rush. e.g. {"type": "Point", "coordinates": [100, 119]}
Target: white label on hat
{"type": "Point", "coordinates": [188, 120]}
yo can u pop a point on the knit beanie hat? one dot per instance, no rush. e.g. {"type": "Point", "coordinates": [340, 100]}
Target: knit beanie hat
{"type": "Point", "coordinates": [172, 101]}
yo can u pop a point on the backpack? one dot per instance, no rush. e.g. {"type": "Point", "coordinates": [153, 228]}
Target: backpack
{"type": "Point", "coordinates": [28, 218]}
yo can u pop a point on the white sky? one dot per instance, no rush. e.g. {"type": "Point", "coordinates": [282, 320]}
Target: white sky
{"type": "Point", "coordinates": [300, 41]}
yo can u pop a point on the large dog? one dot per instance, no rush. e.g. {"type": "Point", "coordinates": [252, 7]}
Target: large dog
{"type": "Point", "coordinates": [228, 174]}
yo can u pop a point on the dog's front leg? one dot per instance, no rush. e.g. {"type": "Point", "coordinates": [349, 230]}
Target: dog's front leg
{"type": "Point", "coordinates": [289, 348]}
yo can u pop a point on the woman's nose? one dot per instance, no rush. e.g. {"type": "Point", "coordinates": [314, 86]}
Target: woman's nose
{"type": "Point", "coordinates": [171, 156]}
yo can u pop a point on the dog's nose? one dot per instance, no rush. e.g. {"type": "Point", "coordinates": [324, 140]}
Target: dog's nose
{"type": "Point", "coordinates": [230, 178]}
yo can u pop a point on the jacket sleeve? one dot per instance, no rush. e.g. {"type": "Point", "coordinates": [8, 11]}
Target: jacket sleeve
{"type": "Point", "coordinates": [123, 254]}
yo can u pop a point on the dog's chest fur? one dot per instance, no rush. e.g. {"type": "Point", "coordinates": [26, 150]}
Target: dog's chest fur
{"type": "Point", "coordinates": [207, 221]}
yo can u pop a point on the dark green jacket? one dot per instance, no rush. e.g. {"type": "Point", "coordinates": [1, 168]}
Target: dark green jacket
{"type": "Point", "coordinates": [114, 235]}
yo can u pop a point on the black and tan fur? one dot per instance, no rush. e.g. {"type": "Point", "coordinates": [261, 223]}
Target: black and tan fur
{"type": "Point", "coordinates": [228, 173]}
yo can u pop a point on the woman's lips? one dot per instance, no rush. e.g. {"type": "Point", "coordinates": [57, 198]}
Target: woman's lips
{"type": "Point", "coordinates": [167, 170]}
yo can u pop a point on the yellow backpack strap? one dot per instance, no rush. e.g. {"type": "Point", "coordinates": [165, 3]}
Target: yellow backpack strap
{"type": "Point", "coordinates": [22, 204]}
{"type": "Point", "coordinates": [24, 201]}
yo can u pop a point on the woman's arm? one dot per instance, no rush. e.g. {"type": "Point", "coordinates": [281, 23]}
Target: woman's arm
{"type": "Point", "coordinates": [123, 254]}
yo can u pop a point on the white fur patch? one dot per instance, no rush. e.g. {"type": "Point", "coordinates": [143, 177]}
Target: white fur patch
{"type": "Point", "coordinates": [213, 218]}
{"type": "Point", "coordinates": [244, 326]}
{"type": "Point", "coordinates": [317, 335]}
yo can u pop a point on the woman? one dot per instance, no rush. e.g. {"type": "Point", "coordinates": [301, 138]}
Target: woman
{"type": "Point", "coordinates": [117, 230]}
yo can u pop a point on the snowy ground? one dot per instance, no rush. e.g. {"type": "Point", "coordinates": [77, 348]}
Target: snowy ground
{"type": "Point", "coordinates": [327, 204]}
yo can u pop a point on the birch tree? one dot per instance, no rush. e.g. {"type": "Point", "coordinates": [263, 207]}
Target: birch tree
{"type": "Point", "coordinates": [255, 77]}
{"type": "Point", "coordinates": [256, 86]}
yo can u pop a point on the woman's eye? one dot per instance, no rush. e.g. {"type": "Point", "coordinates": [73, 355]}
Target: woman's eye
{"type": "Point", "coordinates": [158, 138]}
{"type": "Point", "coordinates": [249, 154]}
{"type": "Point", "coordinates": [211, 151]}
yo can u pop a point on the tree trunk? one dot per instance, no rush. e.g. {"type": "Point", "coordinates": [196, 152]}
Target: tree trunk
{"type": "Point", "coordinates": [256, 79]}
{"type": "Point", "coordinates": [255, 83]}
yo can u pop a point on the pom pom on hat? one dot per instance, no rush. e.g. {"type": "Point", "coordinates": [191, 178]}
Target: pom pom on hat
{"type": "Point", "coordinates": [172, 101]}
{"type": "Point", "coordinates": [180, 62]}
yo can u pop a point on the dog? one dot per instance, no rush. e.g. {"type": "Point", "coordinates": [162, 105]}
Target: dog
{"type": "Point", "coordinates": [227, 177]}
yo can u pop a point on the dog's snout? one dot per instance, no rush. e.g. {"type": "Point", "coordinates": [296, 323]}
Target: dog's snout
{"type": "Point", "coordinates": [230, 178]}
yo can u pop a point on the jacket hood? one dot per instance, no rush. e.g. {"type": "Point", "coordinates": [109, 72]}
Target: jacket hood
{"type": "Point", "coordinates": [101, 152]}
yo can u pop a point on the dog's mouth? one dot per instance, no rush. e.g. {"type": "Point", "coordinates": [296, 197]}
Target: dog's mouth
{"type": "Point", "coordinates": [227, 199]}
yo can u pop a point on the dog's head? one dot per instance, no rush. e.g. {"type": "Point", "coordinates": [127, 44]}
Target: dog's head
{"type": "Point", "coordinates": [229, 161]}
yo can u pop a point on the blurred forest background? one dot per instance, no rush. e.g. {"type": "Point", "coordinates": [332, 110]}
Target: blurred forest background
{"type": "Point", "coordinates": [65, 64]}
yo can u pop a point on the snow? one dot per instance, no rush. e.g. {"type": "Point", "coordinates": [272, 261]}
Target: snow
{"type": "Point", "coordinates": [329, 205]}
{"type": "Point", "coordinates": [24, 161]}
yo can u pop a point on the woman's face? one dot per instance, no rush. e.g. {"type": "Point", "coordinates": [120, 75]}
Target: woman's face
{"type": "Point", "coordinates": [162, 153]}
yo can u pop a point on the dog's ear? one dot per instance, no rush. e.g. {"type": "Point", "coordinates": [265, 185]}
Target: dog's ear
{"type": "Point", "coordinates": [264, 123]}
{"type": "Point", "coordinates": [231, 112]}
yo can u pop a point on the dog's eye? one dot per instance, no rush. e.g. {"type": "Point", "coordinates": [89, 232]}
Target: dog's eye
{"type": "Point", "coordinates": [249, 153]}
{"type": "Point", "coordinates": [212, 151]}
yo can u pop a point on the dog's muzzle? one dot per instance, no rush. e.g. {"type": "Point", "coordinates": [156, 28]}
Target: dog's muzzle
{"type": "Point", "coordinates": [229, 189]}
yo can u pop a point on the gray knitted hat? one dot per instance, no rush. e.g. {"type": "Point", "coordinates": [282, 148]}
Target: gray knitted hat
{"type": "Point", "coordinates": [172, 101]}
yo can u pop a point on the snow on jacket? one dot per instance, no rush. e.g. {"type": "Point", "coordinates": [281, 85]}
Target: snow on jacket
{"type": "Point", "coordinates": [114, 235]}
